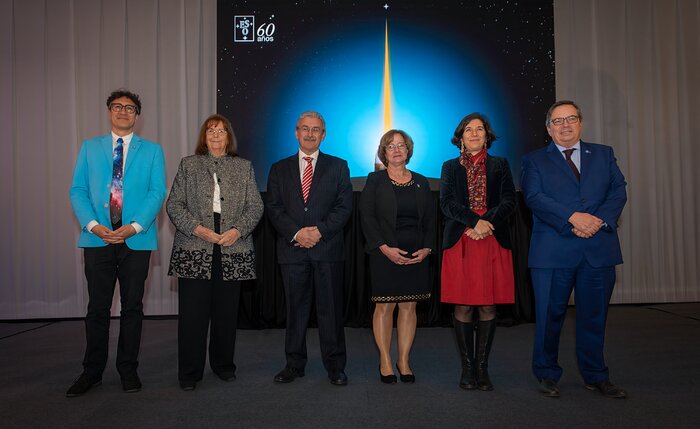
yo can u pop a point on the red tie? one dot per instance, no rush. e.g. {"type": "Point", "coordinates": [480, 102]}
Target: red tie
{"type": "Point", "coordinates": [569, 161]}
{"type": "Point", "coordinates": [306, 179]}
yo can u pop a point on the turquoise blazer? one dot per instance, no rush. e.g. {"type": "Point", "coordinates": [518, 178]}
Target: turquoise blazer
{"type": "Point", "coordinates": [144, 189]}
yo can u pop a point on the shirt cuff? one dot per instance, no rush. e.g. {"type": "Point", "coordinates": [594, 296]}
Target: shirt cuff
{"type": "Point", "coordinates": [137, 227]}
{"type": "Point", "coordinates": [93, 223]}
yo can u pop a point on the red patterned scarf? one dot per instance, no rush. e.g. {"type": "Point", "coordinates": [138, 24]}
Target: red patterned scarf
{"type": "Point", "coordinates": [476, 178]}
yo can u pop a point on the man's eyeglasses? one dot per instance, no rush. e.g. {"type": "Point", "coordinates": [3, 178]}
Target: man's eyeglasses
{"type": "Point", "coordinates": [213, 131]}
{"type": "Point", "coordinates": [392, 146]}
{"type": "Point", "coordinates": [573, 119]}
{"type": "Point", "coordinates": [314, 130]}
{"type": "Point", "coordinates": [129, 108]}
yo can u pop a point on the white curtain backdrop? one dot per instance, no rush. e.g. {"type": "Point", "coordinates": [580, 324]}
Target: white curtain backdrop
{"type": "Point", "coordinates": [632, 66]}
{"type": "Point", "coordinates": [59, 60]}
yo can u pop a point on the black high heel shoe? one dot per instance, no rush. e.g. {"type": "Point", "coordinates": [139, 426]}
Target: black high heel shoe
{"type": "Point", "coordinates": [388, 379]}
{"type": "Point", "coordinates": [405, 378]}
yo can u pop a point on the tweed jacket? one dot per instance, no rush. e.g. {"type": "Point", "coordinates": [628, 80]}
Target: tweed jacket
{"type": "Point", "coordinates": [190, 204]}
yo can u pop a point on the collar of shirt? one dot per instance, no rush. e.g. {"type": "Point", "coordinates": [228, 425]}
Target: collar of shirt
{"type": "Point", "coordinates": [127, 139]}
{"type": "Point", "coordinates": [575, 156]}
{"type": "Point", "coordinates": [302, 163]}
{"type": "Point", "coordinates": [125, 146]}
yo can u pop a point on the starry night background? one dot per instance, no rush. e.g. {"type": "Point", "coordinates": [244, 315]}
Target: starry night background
{"type": "Point", "coordinates": [448, 59]}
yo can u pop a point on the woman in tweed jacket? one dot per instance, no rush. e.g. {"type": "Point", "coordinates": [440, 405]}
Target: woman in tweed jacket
{"type": "Point", "coordinates": [215, 204]}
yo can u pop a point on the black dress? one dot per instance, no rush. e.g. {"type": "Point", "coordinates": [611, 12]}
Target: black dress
{"type": "Point", "coordinates": [401, 283]}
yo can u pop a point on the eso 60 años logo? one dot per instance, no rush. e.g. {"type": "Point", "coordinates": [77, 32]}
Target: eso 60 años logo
{"type": "Point", "coordinates": [245, 31]}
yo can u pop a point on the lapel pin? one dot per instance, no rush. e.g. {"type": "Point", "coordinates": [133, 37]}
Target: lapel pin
{"type": "Point", "coordinates": [587, 151]}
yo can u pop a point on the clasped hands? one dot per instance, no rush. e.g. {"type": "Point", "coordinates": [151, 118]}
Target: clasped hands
{"type": "Point", "coordinates": [114, 237]}
{"type": "Point", "coordinates": [481, 230]}
{"type": "Point", "coordinates": [307, 237]}
{"type": "Point", "coordinates": [401, 257]}
{"type": "Point", "coordinates": [226, 239]}
{"type": "Point", "coordinates": [585, 225]}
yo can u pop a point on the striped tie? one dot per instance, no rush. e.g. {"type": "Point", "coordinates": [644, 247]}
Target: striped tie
{"type": "Point", "coordinates": [306, 179]}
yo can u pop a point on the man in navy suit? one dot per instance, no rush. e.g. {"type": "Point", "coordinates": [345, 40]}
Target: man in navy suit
{"type": "Point", "coordinates": [309, 200]}
{"type": "Point", "coordinates": [576, 192]}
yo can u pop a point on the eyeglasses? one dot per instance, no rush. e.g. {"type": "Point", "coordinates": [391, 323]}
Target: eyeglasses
{"type": "Point", "coordinates": [213, 131]}
{"type": "Point", "coordinates": [129, 108]}
{"type": "Point", "coordinates": [314, 130]}
{"type": "Point", "coordinates": [392, 146]}
{"type": "Point", "coordinates": [573, 119]}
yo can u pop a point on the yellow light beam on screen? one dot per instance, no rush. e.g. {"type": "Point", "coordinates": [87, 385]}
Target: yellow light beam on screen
{"type": "Point", "coordinates": [387, 80]}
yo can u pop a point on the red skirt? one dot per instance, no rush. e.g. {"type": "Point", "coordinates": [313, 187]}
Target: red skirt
{"type": "Point", "coordinates": [477, 272]}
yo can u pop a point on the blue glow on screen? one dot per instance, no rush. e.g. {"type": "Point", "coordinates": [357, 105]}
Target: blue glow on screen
{"type": "Point", "coordinates": [432, 89]}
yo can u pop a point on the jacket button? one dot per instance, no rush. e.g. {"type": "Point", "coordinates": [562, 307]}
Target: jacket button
{"type": "Point", "coordinates": [218, 179]}
{"type": "Point", "coordinates": [222, 198]}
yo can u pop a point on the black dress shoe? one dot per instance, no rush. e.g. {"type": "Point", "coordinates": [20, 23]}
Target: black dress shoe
{"type": "Point", "coordinates": [131, 383]}
{"type": "Point", "coordinates": [388, 379]}
{"type": "Point", "coordinates": [288, 375]}
{"type": "Point", "coordinates": [338, 378]}
{"type": "Point", "coordinates": [607, 389]}
{"type": "Point", "coordinates": [82, 384]}
{"type": "Point", "coordinates": [405, 378]}
{"type": "Point", "coordinates": [549, 388]}
{"type": "Point", "coordinates": [187, 386]}
{"type": "Point", "coordinates": [226, 376]}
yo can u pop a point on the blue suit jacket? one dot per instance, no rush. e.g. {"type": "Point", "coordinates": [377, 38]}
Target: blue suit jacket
{"type": "Point", "coordinates": [553, 194]}
{"type": "Point", "coordinates": [144, 189]}
{"type": "Point", "coordinates": [329, 206]}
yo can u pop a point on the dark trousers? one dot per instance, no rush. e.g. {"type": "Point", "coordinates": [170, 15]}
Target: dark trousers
{"type": "Point", "coordinates": [592, 290]}
{"type": "Point", "coordinates": [207, 305]}
{"type": "Point", "coordinates": [103, 266]}
{"type": "Point", "coordinates": [322, 281]}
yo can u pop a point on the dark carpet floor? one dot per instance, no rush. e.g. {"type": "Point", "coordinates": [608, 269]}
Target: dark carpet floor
{"type": "Point", "coordinates": [652, 351]}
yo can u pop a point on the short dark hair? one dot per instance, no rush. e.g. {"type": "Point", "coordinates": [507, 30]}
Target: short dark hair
{"type": "Point", "coordinates": [231, 144]}
{"type": "Point", "coordinates": [490, 134]}
{"type": "Point", "coordinates": [121, 92]}
{"type": "Point", "coordinates": [386, 140]}
{"type": "Point", "coordinates": [548, 117]}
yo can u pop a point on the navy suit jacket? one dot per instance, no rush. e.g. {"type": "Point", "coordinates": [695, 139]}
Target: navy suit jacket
{"type": "Point", "coordinates": [328, 207]}
{"type": "Point", "coordinates": [553, 194]}
{"type": "Point", "coordinates": [454, 200]}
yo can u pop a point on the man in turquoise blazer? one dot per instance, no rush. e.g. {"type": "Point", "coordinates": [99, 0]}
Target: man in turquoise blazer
{"type": "Point", "coordinates": [576, 192]}
{"type": "Point", "coordinates": [117, 191]}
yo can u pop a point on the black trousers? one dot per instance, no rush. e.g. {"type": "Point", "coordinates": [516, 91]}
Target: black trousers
{"type": "Point", "coordinates": [103, 266]}
{"type": "Point", "coordinates": [207, 305]}
{"type": "Point", "coordinates": [322, 281]}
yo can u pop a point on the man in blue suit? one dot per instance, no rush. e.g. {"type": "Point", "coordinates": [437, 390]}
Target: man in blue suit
{"type": "Point", "coordinates": [576, 192]}
{"type": "Point", "coordinates": [117, 191]}
{"type": "Point", "coordinates": [309, 200]}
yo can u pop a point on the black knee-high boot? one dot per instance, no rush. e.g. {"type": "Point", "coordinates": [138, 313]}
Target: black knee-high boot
{"type": "Point", "coordinates": [484, 338]}
{"type": "Point", "coordinates": [465, 341]}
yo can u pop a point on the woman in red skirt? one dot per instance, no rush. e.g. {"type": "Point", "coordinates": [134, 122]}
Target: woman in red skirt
{"type": "Point", "coordinates": [477, 197]}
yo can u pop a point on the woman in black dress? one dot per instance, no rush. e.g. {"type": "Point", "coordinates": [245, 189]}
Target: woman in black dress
{"type": "Point", "coordinates": [398, 222]}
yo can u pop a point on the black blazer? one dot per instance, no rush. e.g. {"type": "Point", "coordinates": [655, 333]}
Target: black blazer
{"type": "Point", "coordinates": [378, 212]}
{"type": "Point", "coordinates": [328, 207]}
{"type": "Point", "coordinates": [454, 200]}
